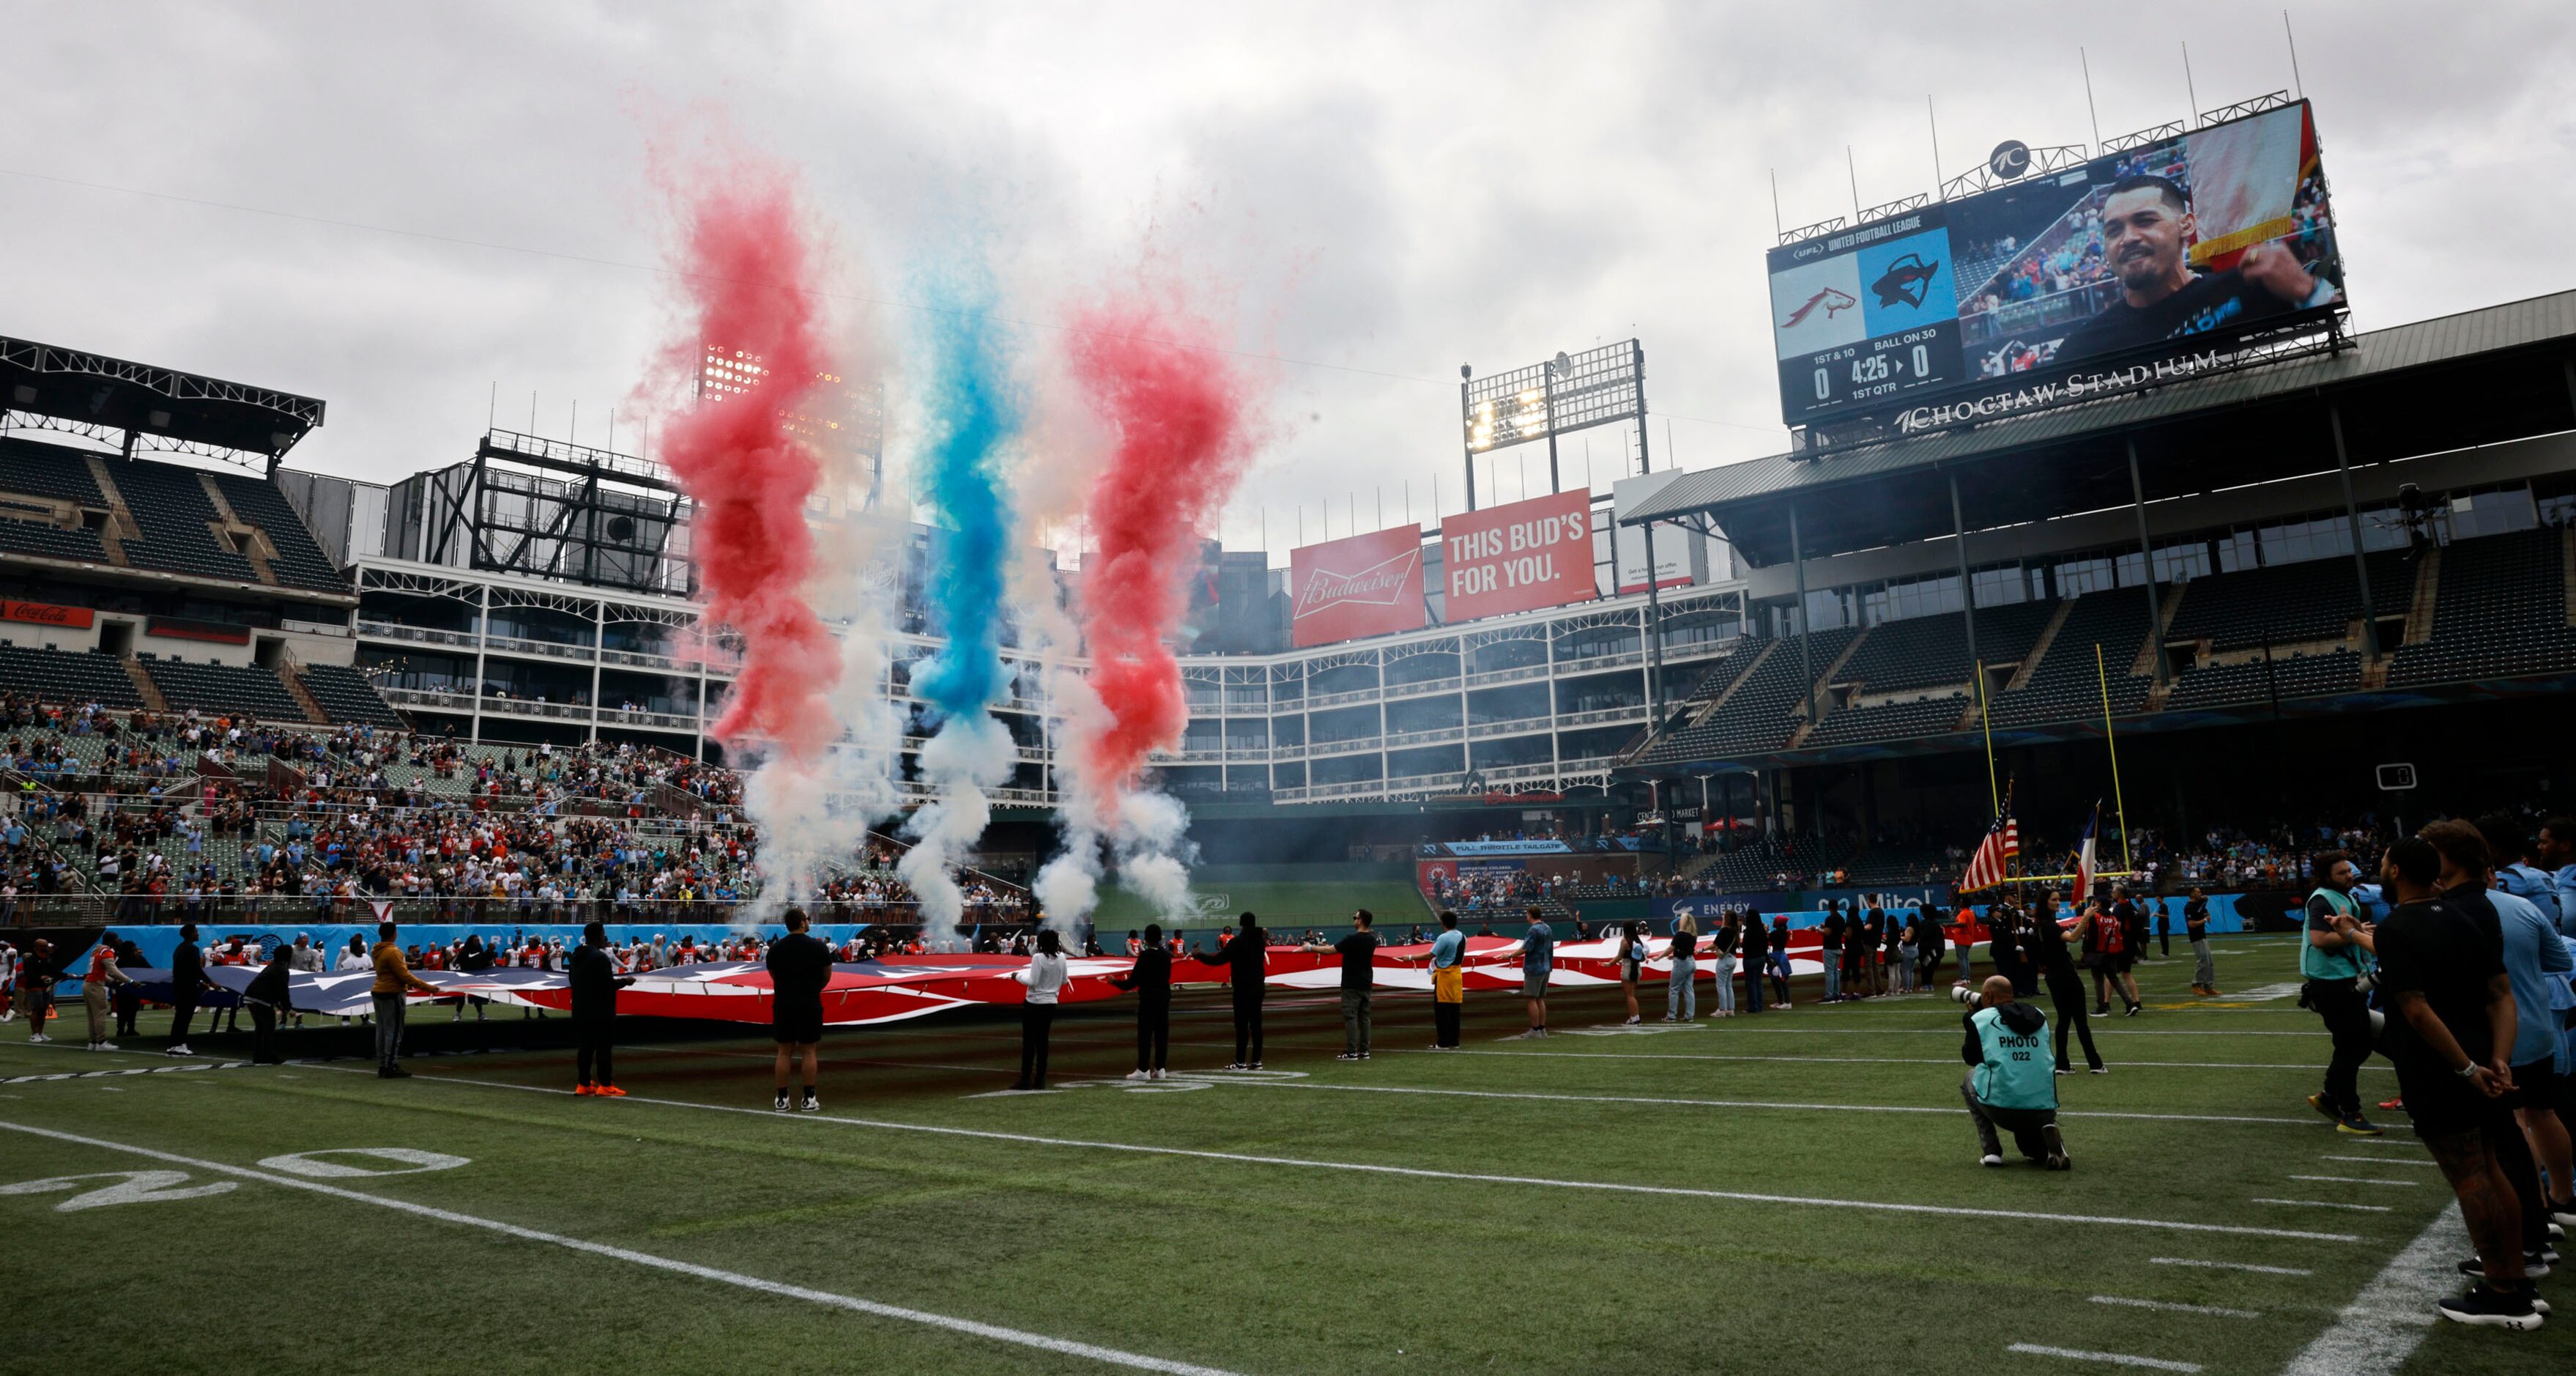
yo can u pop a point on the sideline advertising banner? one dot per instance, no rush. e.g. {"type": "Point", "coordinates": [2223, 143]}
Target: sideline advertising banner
{"type": "Point", "coordinates": [1358, 586]}
{"type": "Point", "coordinates": [1518, 557]}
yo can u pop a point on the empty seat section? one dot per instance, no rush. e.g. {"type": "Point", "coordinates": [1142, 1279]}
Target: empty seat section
{"type": "Point", "coordinates": [2501, 610]}
{"type": "Point", "coordinates": [346, 695]}
{"type": "Point", "coordinates": [2066, 685]}
{"type": "Point", "coordinates": [47, 470]}
{"type": "Point", "coordinates": [2286, 604]}
{"type": "Point", "coordinates": [174, 514]}
{"type": "Point", "coordinates": [67, 677]}
{"type": "Point", "coordinates": [223, 688]}
{"type": "Point", "coordinates": [300, 561]}
{"type": "Point", "coordinates": [2291, 676]}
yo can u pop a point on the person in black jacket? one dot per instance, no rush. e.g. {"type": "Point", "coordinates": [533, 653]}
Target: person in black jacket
{"type": "Point", "coordinates": [2065, 985]}
{"type": "Point", "coordinates": [595, 983]}
{"type": "Point", "coordinates": [1757, 960]}
{"type": "Point", "coordinates": [799, 967]}
{"type": "Point", "coordinates": [187, 979]}
{"type": "Point", "coordinates": [473, 960]}
{"type": "Point", "coordinates": [265, 996]}
{"type": "Point", "coordinates": [1151, 980]}
{"type": "Point", "coordinates": [1247, 960]}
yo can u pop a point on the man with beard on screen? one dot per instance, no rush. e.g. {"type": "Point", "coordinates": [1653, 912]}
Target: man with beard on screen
{"type": "Point", "coordinates": [2147, 233]}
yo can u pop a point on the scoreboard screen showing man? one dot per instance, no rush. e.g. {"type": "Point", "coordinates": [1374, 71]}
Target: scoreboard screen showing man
{"type": "Point", "coordinates": [2168, 248]}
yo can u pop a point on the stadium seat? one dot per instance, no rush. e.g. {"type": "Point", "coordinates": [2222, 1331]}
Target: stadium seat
{"type": "Point", "coordinates": [223, 688]}
{"type": "Point", "coordinates": [347, 696]}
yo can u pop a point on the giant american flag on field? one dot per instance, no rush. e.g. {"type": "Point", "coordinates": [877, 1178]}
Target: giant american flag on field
{"type": "Point", "coordinates": [1986, 867]}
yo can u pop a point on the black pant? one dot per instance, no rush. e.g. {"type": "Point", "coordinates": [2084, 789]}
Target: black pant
{"type": "Point", "coordinates": [594, 1062]}
{"type": "Point", "coordinates": [1153, 1035]}
{"type": "Point", "coordinates": [1444, 1022]}
{"type": "Point", "coordinates": [2347, 1016]}
{"type": "Point", "coordinates": [1036, 1020]}
{"type": "Point", "coordinates": [129, 1006]}
{"type": "Point", "coordinates": [181, 1014]}
{"type": "Point", "coordinates": [1247, 1027]}
{"type": "Point", "coordinates": [2067, 992]}
{"type": "Point", "coordinates": [2513, 1154]}
{"type": "Point", "coordinates": [263, 1035]}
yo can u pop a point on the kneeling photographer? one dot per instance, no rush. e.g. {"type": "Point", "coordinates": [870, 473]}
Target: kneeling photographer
{"type": "Point", "coordinates": [2013, 1081]}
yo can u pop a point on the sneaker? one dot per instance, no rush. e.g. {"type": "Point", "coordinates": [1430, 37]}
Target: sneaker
{"type": "Point", "coordinates": [37, 1038]}
{"type": "Point", "coordinates": [1256, 1065]}
{"type": "Point", "coordinates": [2102, 1010]}
{"type": "Point", "coordinates": [581, 1091]}
{"type": "Point", "coordinates": [811, 1104]}
{"type": "Point", "coordinates": [102, 1046]}
{"type": "Point", "coordinates": [2133, 1010]}
{"type": "Point", "coordinates": [2064, 1070]}
{"type": "Point", "coordinates": [394, 1072]}
{"type": "Point", "coordinates": [1140, 1075]}
{"type": "Point", "coordinates": [2562, 1215]}
{"type": "Point", "coordinates": [2056, 1158]}
{"type": "Point", "coordinates": [781, 1103]}
{"type": "Point", "coordinates": [2318, 1102]}
{"type": "Point", "coordinates": [1158, 1075]}
{"type": "Point", "coordinates": [1990, 1159]}
{"type": "Point", "coordinates": [609, 1092]}
{"type": "Point", "coordinates": [2492, 1309]}
{"type": "Point", "coordinates": [1670, 1018]}
{"type": "Point", "coordinates": [1632, 1022]}
{"type": "Point", "coordinates": [1348, 1056]}
{"type": "Point", "coordinates": [2101, 1070]}
{"type": "Point", "coordinates": [180, 1050]}
{"type": "Point", "coordinates": [1237, 1065]}
{"type": "Point", "coordinates": [2535, 1266]}
{"type": "Point", "coordinates": [2358, 1126]}
{"type": "Point", "coordinates": [1364, 1055]}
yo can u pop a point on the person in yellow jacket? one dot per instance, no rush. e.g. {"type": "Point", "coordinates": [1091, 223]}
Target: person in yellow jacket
{"type": "Point", "coordinates": [394, 980]}
{"type": "Point", "coordinates": [1448, 982]}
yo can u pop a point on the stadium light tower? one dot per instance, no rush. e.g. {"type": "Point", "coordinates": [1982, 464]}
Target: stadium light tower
{"type": "Point", "coordinates": [1565, 394]}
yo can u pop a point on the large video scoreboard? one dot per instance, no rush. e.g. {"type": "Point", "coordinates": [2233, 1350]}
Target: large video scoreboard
{"type": "Point", "coordinates": [2159, 250]}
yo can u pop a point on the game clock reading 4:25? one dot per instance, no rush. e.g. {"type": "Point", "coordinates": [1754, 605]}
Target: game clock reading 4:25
{"type": "Point", "coordinates": [1865, 316]}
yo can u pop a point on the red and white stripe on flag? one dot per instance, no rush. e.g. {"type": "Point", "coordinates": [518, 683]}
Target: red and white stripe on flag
{"type": "Point", "coordinates": [1986, 867]}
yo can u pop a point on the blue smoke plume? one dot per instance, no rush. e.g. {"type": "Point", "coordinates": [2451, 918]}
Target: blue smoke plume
{"type": "Point", "coordinates": [973, 410]}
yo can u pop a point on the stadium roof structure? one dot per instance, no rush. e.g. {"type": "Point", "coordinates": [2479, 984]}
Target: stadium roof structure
{"type": "Point", "coordinates": [2502, 372]}
{"type": "Point", "coordinates": [144, 407]}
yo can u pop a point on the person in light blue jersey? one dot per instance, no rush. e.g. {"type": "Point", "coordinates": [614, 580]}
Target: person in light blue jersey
{"type": "Point", "coordinates": [2012, 1078]}
{"type": "Point", "coordinates": [2558, 848]}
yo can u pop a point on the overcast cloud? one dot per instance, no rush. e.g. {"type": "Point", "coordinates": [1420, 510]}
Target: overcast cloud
{"type": "Point", "coordinates": [1388, 190]}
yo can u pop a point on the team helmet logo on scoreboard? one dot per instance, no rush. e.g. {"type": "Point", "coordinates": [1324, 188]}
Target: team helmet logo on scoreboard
{"type": "Point", "coordinates": [1905, 280]}
{"type": "Point", "coordinates": [1829, 298]}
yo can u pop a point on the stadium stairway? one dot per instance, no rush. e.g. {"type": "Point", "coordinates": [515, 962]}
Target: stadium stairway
{"type": "Point", "coordinates": [287, 675]}
{"type": "Point", "coordinates": [144, 687]}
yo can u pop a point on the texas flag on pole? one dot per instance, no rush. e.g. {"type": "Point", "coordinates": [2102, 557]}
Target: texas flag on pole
{"type": "Point", "coordinates": [2084, 857]}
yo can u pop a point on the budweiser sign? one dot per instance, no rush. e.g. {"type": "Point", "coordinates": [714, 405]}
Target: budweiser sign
{"type": "Point", "coordinates": [1364, 585]}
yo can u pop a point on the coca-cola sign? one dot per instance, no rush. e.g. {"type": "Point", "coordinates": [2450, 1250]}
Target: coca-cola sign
{"type": "Point", "coordinates": [46, 614]}
{"type": "Point", "coordinates": [1364, 585]}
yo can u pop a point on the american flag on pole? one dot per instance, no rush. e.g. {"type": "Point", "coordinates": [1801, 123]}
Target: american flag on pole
{"type": "Point", "coordinates": [1986, 867]}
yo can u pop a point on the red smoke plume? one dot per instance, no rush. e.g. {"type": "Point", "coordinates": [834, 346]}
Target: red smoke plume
{"type": "Point", "coordinates": [749, 264]}
{"type": "Point", "coordinates": [1176, 409]}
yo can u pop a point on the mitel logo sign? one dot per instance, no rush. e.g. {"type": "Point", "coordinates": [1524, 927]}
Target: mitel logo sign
{"type": "Point", "coordinates": [1365, 585]}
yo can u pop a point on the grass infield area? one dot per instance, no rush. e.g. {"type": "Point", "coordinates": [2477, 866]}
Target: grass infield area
{"type": "Point", "coordinates": [1797, 1191]}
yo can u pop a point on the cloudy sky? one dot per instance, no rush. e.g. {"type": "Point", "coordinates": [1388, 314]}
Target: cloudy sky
{"type": "Point", "coordinates": [403, 214]}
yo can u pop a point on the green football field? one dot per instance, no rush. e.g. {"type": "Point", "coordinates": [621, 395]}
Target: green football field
{"type": "Point", "coordinates": [1793, 1192]}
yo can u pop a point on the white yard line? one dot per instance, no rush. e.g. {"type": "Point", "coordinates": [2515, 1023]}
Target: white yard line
{"type": "Point", "coordinates": [1414, 1172]}
{"type": "Point", "coordinates": [2381, 1328]}
{"type": "Point", "coordinates": [2386, 1161]}
{"type": "Point", "coordinates": [2176, 1307]}
{"type": "Point", "coordinates": [2325, 1204]}
{"type": "Point", "coordinates": [2232, 1266]}
{"type": "Point", "coordinates": [970, 1327]}
{"type": "Point", "coordinates": [1871, 1060]}
{"type": "Point", "coordinates": [1717, 1103]}
{"type": "Point", "coordinates": [2358, 1180]}
{"type": "Point", "coordinates": [2077, 1354]}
